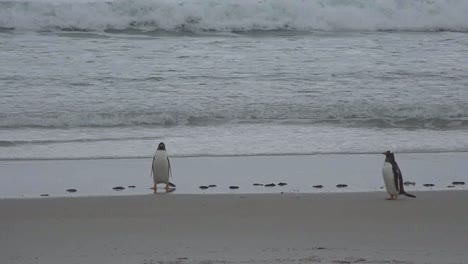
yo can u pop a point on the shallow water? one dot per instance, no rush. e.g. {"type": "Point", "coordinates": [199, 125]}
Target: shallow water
{"type": "Point", "coordinates": [217, 78]}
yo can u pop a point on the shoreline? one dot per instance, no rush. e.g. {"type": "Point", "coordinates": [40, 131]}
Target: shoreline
{"type": "Point", "coordinates": [359, 173]}
{"type": "Point", "coordinates": [234, 155]}
{"type": "Point", "coordinates": [383, 192]}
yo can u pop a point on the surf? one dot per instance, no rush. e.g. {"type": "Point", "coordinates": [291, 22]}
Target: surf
{"type": "Point", "coordinates": [235, 15]}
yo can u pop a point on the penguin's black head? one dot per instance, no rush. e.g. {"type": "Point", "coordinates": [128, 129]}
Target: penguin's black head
{"type": "Point", "coordinates": [161, 146]}
{"type": "Point", "coordinates": [389, 156]}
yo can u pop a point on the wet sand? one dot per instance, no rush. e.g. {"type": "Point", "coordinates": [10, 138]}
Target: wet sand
{"type": "Point", "coordinates": [236, 228]}
{"type": "Point", "coordinates": [361, 172]}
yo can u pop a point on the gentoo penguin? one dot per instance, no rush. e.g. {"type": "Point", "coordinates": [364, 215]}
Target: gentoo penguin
{"type": "Point", "coordinates": [161, 168]}
{"type": "Point", "coordinates": [392, 177]}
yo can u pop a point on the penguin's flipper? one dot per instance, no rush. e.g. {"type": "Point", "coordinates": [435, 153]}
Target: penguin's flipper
{"type": "Point", "coordinates": [152, 168]}
{"type": "Point", "coordinates": [169, 167]}
{"type": "Point", "coordinates": [396, 177]}
{"type": "Point", "coordinates": [400, 186]}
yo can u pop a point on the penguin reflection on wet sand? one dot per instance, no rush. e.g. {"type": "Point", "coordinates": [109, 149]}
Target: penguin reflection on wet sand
{"type": "Point", "coordinates": [392, 177]}
{"type": "Point", "coordinates": [161, 168]}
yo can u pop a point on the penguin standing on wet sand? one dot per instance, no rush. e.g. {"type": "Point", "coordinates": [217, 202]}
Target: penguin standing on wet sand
{"type": "Point", "coordinates": [392, 177]}
{"type": "Point", "coordinates": [161, 168]}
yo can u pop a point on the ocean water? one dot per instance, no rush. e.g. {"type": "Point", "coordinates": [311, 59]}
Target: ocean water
{"type": "Point", "coordinates": [95, 79]}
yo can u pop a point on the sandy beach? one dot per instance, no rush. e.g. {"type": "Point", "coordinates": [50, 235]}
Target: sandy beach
{"type": "Point", "coordinates": [98, 177]}
{"type": "Point", "coordinates": [236, 228]}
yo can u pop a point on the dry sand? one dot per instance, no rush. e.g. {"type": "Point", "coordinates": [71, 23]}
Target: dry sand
{"type": "Point", "coordinates": [230, 228]}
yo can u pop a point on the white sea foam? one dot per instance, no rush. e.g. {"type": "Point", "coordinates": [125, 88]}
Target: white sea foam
{"type": "Point", "coordinates": [243, 139]}
{"type": "Point", "coordinates": [418, 116]}
{"type": "Point", "coordinates": [236, 15]}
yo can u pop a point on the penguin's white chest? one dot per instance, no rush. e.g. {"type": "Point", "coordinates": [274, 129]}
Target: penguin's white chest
{"type": "Point", "coordinates": [161, 167]}
{"type": "Point", "coordinates": [389, 179]}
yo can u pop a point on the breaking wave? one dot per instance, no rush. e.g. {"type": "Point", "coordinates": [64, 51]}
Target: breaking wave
{"type": "Point", "coordinates": [236, 15]}
{"type": "Point", "coordinates": [12, 143]}
{"type": "Point", "coordinates": [418, 118]}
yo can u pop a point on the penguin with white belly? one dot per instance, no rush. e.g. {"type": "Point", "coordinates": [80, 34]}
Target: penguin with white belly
{"type": "Point", "coordinates": [392, 177]}
{"type": "Point", "coordinates": [161, 168]}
